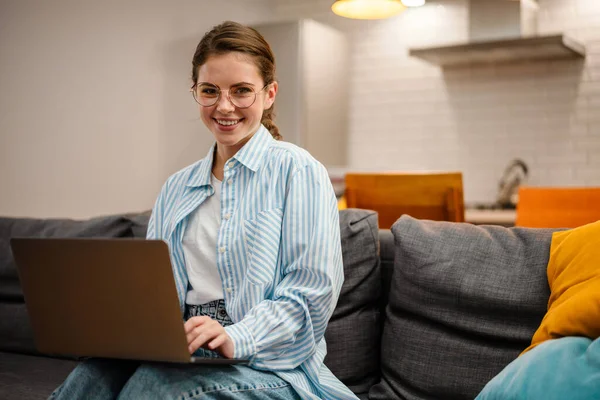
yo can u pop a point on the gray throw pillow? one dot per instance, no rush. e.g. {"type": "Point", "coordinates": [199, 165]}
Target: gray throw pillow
{"type": "Point", "coordinates": [464, 301]}
{"type": "Point", "coordinates": [354, 331]}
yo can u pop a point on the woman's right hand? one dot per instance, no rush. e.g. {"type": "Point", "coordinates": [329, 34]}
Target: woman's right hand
{"type": "Point", "coordinates": [208, 333]}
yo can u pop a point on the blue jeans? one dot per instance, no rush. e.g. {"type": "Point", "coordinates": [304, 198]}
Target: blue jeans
{"type": "Point", "coordinates": [115, 379]}
{"type": "Point", "coordinates": [97, 379]}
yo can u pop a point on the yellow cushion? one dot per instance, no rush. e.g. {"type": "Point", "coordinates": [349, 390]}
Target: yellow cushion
{"type": "Point", "coordinates": [574, 279]}
{"type": "Point", "coordinates": [342, 203]}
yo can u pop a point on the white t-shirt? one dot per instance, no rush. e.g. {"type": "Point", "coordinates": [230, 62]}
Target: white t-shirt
{"type": "Point", "coordinates": [200, 249]}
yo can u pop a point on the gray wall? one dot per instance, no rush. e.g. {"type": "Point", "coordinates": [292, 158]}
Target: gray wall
{"type": "Point", "coordinates": [95, 111]}
{"type": "Point", "coordinates": [314, 79]}
{"type": "Point", "coordinates": [284, 39]}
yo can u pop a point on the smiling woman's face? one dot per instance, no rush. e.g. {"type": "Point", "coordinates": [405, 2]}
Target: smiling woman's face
{"type": "Point", "coordinates": [233, 126]}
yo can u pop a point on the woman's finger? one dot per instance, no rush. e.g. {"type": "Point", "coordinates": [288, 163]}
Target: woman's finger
{"type": "Point", "coordinates": [201, 339]}
{"type": "Point", "coordinates": [204, 327]}
{"type": "Point", "coordinates": [203, 334]}
{"type": "Point", "coordinates": [193, 322]}
{"type": "Point", "coordinates": [218, 341]}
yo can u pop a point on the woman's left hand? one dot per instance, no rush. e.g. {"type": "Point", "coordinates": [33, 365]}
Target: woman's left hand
{"type": "Point", "coordinates": [208, 333]}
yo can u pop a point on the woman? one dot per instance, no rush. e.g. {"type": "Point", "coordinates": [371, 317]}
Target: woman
{"type": "Point", "coordinates": [254, 238]}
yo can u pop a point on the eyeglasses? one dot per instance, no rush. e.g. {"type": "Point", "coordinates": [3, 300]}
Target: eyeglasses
{"type": "Point", "coordinates": [241, 96]}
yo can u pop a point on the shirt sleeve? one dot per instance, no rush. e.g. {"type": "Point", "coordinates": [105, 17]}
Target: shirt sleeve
{"type": "Point", "coordinates": [155, 224]}
{"type": "Point", "coordinates": [283, 332]}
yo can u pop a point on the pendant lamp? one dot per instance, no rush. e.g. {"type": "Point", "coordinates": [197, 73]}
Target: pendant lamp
{"type": "Point", "coordinates": [367, 9]}
{"type": "Point", "coordinates": [413, 3]}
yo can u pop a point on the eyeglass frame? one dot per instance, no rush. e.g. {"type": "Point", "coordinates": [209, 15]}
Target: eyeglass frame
{"type": "Point", "coordinates": [228, 97]}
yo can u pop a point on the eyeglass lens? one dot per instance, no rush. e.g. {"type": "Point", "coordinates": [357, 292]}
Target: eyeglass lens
{"type": "Point", "coordinates": [241, 96]}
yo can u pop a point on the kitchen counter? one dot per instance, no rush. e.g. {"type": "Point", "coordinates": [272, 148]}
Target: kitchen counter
{"type": "Point", "coordinates": [491, 217]}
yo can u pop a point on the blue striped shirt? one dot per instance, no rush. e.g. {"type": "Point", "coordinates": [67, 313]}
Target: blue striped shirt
{"type": "Point", "coordinates": [278, 255]}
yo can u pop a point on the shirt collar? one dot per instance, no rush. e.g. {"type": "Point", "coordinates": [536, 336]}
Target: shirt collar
{"type": "Point", "coordinates": [250, 155]}
{"type": "Point", "coordinates": [200, 173]}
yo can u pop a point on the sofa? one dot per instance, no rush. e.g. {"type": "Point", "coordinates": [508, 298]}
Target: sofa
{"type": "Point", "coordinates": [428, 310]}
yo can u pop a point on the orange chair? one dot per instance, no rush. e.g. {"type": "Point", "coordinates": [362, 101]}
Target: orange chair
{"type": "Point", "coordinates": [435, 196]}
{"type": "Point", "coordinates": [553, 207]}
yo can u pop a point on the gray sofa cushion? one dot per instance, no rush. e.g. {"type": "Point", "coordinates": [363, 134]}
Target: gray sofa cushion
{"type": "Point", "coordinates": [386, 249]}
{"type": "Point", "coordinates": [10, 290]}
{"type": "Point", "coordinates": [15, 329]}
{"type": "Point", "coordinates": [112, 226]}
{"type": "Point", "coordinates": [354, 331]}
{"type": "Point", "coordinates": [139, 223]}
{"type": "Point", "coordinates": [465, 300]}
{"type": "Point", "coordinates": [27, 377]}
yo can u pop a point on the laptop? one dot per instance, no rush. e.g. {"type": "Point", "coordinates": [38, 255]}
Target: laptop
{"type": "Point", "coordinates": [107, 298]}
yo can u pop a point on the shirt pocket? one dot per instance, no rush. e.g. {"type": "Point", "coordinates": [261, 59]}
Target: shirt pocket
{"type": "Point", "coordinates": [263, 236]}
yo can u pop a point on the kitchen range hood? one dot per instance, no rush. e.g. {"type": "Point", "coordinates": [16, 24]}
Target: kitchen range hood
{"type": "Point", "coordinates": [502, 51]}
{"type": "Point", "coordinates": [502, 31]}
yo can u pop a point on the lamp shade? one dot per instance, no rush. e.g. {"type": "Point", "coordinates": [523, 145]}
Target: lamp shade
{"type": "Point", "coordinates": [413, 3]}
{"type": "Point", "coordinates": [367, 9]}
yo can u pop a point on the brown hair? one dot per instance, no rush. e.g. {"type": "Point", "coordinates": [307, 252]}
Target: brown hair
{"type": "Point", "coordinates": [232, 36]}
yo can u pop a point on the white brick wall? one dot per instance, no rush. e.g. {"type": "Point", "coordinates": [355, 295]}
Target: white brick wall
{"type": "Point", "coordinates": [408, 115]}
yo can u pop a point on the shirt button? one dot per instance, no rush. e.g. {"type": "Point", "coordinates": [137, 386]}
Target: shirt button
{"type": "Point", "coordinates": [227, 216]}
{"type": "Point", "coordinates": [223, 313]}
{"type": "Point", "coordinates": [228, 290]}
{"type": "Point", "coordinates": [230, 165]}
{"type": "Point", "coordinates": [230, 181]}
{"type": "Point", "coordinates": [221, 249]}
